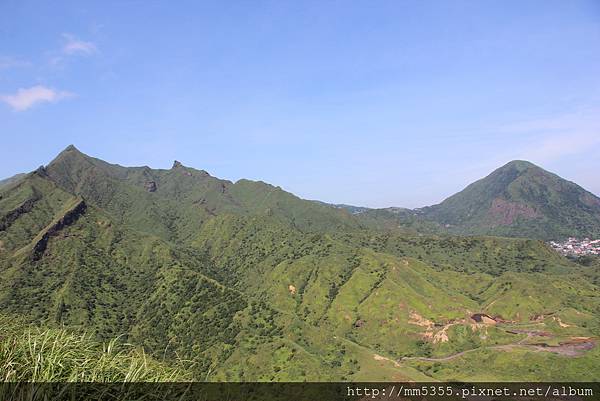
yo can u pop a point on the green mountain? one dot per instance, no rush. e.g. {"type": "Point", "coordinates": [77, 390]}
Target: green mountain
{"type": "Point", "coordinates": [11, 180]}
{"type": "Point", "coordinates": [244, 281]}
{"type": "Point", "coordinates": [524, 200]}
{"type": "Point", "coordinates": [173, 203]}
{"type": "Point", "coordinates": [519, 199]}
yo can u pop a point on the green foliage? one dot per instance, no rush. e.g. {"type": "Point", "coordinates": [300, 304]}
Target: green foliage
{"type": "Point", "coordinates": [11, 180]}
{"type": "Point", "coordinates": [247, 282]}
{"type": "Point", "coordinates": [516, 200]}
{"type": "Point", "coordinates": [32, 354]}
{"type": "Point", "coordinates": [587, 260]}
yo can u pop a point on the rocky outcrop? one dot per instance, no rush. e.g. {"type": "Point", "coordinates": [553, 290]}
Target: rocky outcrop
{"type": "Point", "coordinates": [484, 318]}
{"type": "Point", "coordinates": [150, 186]}
{"type": "Point", "coordinates": [184, 170]}
{"type": "Point", "coordinates": [10, 217]}
{"type": "Point", "coordinates": [503, 212]}
{"type": "Point", "coordinates": [70, 217]}
{"type": "Point", "coordinates": [41, 171]}
{"type": "Point", "coordinates": [591, 201]}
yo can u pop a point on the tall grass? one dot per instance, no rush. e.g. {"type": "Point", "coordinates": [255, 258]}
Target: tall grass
{"type": "Point", "coordinates": [34, 354]}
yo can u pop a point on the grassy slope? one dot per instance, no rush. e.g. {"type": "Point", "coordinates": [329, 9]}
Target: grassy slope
{"type": "Point", "coordinates": [516, 200]}
{"type": "Point", "coordinates": [247, 282]}
{"type": "Point", "coordinates": [34, 354]}
{"type": "Point", "coordinates": [339, 282]}
{"type": "Point", "coordinates": [517, 365]}
{"type": "Point", "coordinates": [562, 208]}
{"type": "Point", "coordinates": [11, 180]}
{"type": "Point", "coordinates": [184, 199]}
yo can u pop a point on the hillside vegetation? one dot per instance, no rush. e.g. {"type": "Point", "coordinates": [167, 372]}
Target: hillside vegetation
{"type": "Point", "coordinates": [11, 180]}
{"type": "Point", "coordinates": [519, 199]}
{"type": "Point", "coordinates": [33, 354]}
{"type": "Point", "coordinates": [244, 281]}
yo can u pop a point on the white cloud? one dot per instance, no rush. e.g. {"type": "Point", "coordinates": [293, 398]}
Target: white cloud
{"type": "Point", "coordinates": [74, 45]}
{"type": "Point", "coordinates": [25, 98]}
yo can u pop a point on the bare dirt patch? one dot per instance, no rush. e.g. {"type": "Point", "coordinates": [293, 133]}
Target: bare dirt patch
{"type": "Point", "coordinates": [560, 323]}
{"type": "Point", "coordinates": [536, 333]}
{"type": "Point", "coordinates": [570, 349]}
{"type": "Point", "coordinates": [416, 319]}
{"type": "Point", "coordinates": [503, 212]}
{"type": "Point", "coordinates": [441, 336]}
{"type": "Point", "coordinates": [435, 332]}
{"type": "Point", "coordinates": [484, 319]}
{"type": "Point", "coordinates": [576, 346]}
{"type": "Point", "coordinates": [383, 358]}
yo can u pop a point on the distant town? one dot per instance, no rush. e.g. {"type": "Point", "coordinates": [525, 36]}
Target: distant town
{"type": "Point", "coordinates": [577, 247]}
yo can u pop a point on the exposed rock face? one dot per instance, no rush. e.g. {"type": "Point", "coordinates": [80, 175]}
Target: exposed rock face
{"type": "Point", "coordinates": [150, 186]}
{"type": "Point", "coordinates": [66, 220]}
{"type": "Point", "coordinates": [484, 318]}
{"type": "Point", "coordinates": [590, 200]}
{"type": "Point", "coordinates": [184, 170]}
{"type": "Point", "coordinates": [503, 212]}
{"type": "Point", "coordinates": [10, 217]}
{"type": "Point", "coordinates": [41, 171]}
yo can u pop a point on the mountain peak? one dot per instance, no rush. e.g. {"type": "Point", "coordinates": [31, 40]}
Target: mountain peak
{"type": "Point", "coordinates": [521, 199]}
{"type": "Point", "coordinates": [68, 153]}
{"type": "Point", "coordinates": [520, 165]}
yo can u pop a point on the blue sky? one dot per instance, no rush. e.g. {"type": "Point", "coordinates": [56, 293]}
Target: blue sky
{"type": "Point", "coordinates": [375, 103]}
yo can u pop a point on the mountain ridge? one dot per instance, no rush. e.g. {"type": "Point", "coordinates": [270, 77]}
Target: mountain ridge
{"type": "Point", "coordinates": [248, 282]}
{"type": "Point", "coordinates": [518, 199]}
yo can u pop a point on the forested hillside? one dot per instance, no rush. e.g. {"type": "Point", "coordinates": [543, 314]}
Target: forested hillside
{"type": "Point", "coordinates": [244, 281]}
{"type": "Point", "coordinates": [519, 199]}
